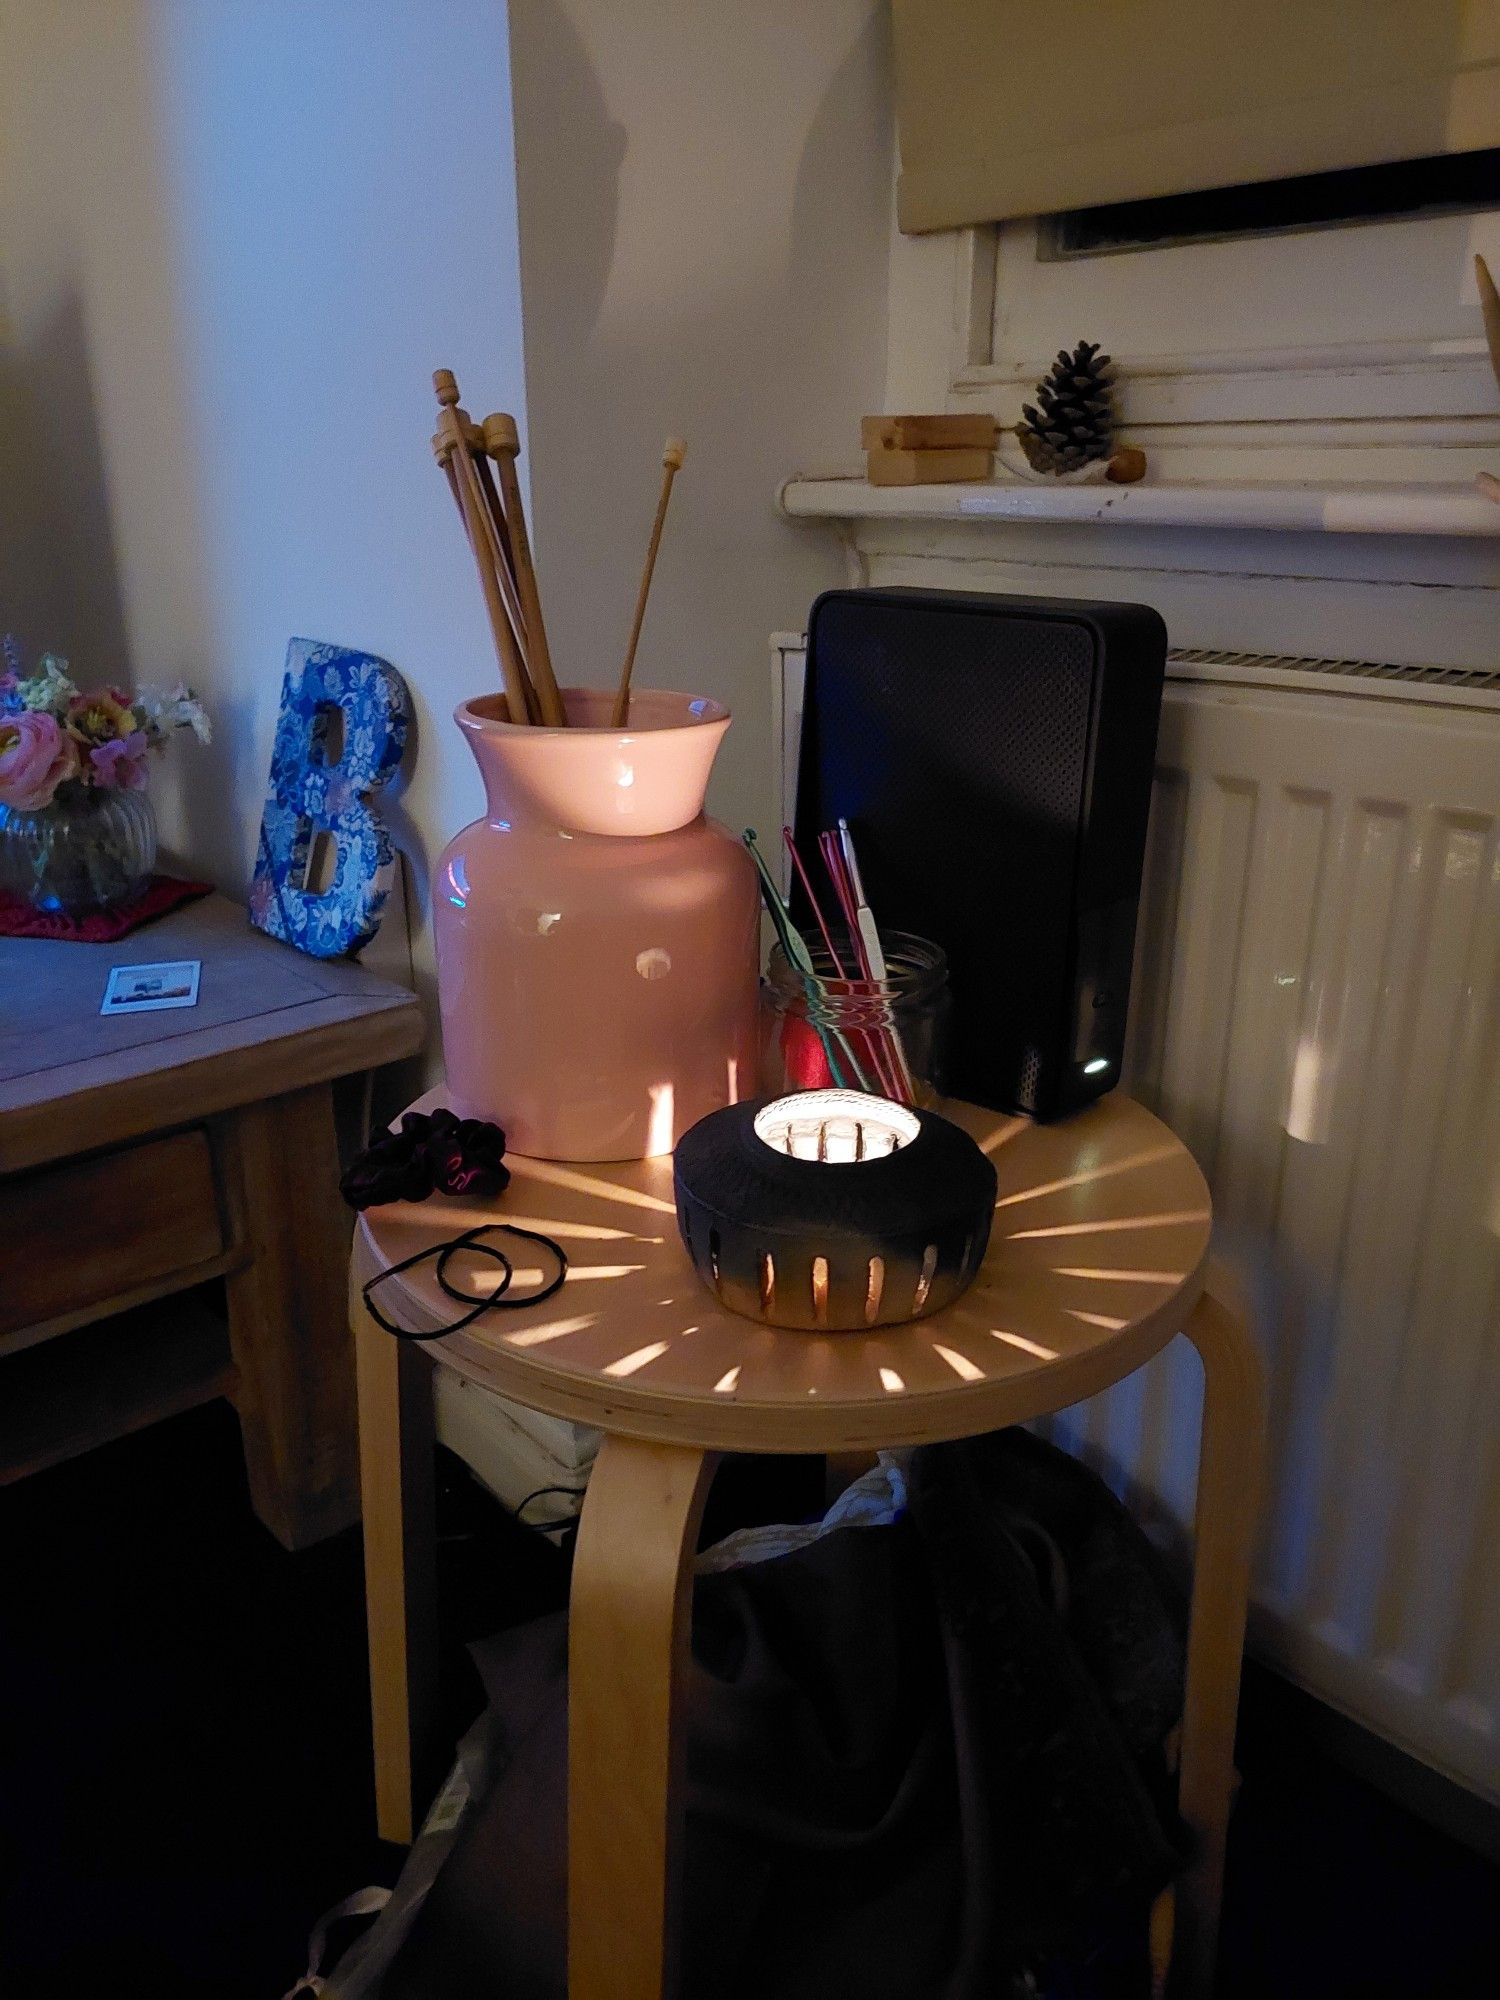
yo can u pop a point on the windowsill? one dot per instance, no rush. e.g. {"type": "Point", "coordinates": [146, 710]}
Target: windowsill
{"type": "Point", "coordinates": [1349, 510]}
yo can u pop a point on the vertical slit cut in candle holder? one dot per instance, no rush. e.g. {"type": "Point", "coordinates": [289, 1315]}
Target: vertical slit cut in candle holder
{"type": "Point", "coordinates": [874, 1288]}
{"type": "Point", "coordinates": [820, 1290]}
{"type": "Point", "coordinates": [924, 1277]}
{"type": "Point", "coordinates": [767, 1281]}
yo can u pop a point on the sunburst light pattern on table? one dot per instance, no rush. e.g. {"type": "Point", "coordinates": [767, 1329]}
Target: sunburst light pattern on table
{"type": "Point", "coordinates": [1100, 1223]}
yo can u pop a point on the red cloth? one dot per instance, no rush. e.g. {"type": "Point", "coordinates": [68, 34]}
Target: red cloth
{"type": "Point", "coordinates": [162, 893]}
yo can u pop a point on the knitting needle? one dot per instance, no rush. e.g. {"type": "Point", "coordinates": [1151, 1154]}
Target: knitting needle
{"type": "Point", "coordinates": [674, 451]}
{"type": "Point", "coordinates": [867, 926]}
{"type": "Point", "coordinates": [496, 509]}
{"type": "Point", "coordinates": [497, 543]}
{"type": "Point", "coordinates": [452, 427]}
{"type": "Point", "coordinates": [503, 443]}
{"type": "Point", "coordinates": [868, 1040]}
{"type": "Point", "coordinates": [895, 1073]}
{"type": "Point", "coordinates": [797, 956]}
{"type": "Point", "coordinates": [870, 932]}
{"type": "Point", "coordinates": [802, 876]}
{"type": "Point", "coordinates": [833, 861]}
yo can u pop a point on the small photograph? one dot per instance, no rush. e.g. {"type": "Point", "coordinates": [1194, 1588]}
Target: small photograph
{"type": "Point", "coordinates": [143, 989]}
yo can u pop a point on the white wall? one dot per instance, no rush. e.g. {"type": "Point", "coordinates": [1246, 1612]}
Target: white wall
{"type": "Point", "coordinates": [705, 204]}
{"type": "Point", "coordinates": [237, 239]}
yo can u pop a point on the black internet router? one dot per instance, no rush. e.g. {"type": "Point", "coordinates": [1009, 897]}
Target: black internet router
{"type": "Point", "coordinates": [993, 756]}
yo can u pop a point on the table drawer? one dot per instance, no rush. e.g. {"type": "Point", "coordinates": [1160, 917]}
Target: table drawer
{"type": "Point", "coordinates": [84, 1232]}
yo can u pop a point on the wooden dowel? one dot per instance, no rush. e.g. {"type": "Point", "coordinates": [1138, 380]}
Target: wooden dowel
{"type": "Point", "coordinates": [512, 660]}
{"type": "Point", "coordinates": [453, 428]}
{"type": "Point", "coordinates": [444, 446]}
{"type": "Point", "coordinates": [442, 451]}
{"type": "Point", "coordinates": [503, 443]}
{"type": "Point", "coordinates": [497, 514]}
{"type": "Point", "coordinates": [672, 456]}
{"type": "Point", "coordinates": [497, 544]}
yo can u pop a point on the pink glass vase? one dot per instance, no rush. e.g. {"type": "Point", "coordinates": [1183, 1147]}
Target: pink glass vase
{"type": "Point", "coordinates": [597, 936]}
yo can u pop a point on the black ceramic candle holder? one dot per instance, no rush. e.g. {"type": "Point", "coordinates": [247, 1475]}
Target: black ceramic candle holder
{"type": "Point", "coordinates": [833, 1211]}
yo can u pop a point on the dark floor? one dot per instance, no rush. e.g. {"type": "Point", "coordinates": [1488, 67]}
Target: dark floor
{"type": "Point", "coordinates": [184, 1759]}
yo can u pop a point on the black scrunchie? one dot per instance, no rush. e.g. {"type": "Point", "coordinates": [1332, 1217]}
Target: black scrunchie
{"type": "Point", "coordinates": [434, 1152]}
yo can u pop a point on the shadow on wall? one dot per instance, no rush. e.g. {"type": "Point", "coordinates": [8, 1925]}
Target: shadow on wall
{"type": "Point", "coordinates": [703, 251]}
{"type": "Point", "coordinates": [59, 580]}
{"type": "Point", "coordinates": [564, 134]}
{"type": "Point", "coordinates": [60, 572]}
{"type": "Point", "coordinates": [833, 250]}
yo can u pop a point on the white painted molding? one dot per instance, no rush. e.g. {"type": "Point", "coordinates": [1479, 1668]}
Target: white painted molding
{"type": "Point", "coordinates": [1352, 510]}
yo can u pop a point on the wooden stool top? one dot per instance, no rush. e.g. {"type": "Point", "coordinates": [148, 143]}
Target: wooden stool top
{"type": "Point", "coordinates": [1100, 1238]}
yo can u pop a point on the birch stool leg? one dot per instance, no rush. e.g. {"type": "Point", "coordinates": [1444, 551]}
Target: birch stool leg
{"type": "Point", "coordinates": [394, 1379]}
{"type": "Point", "coordinates": [628, 1640]}
{"type": "Point", "coordinates": [1231, 1457]}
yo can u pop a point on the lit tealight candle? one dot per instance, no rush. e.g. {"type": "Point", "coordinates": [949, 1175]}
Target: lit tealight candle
{"type": "Point", "coordinates": [838, 1127]}
{"type": "Point", "coordinates": [775, 1237]}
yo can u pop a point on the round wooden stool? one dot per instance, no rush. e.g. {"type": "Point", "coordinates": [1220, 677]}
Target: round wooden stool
{"type": "Point", "coordinates": [1099, 1256]}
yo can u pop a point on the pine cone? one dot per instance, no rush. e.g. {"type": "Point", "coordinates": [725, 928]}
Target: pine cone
{"type": "Point", "coordinates": [1073, 419]}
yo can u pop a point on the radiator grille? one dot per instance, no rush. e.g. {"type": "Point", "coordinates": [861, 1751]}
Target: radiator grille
{"type": "Point", "coordinates": [1463, 687]}
{"type": "Point", "coordinates": [1316, 1012]}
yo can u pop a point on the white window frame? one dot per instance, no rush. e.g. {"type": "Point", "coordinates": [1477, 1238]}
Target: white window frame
{"type": "Point", "coordinates": [1400, 412]}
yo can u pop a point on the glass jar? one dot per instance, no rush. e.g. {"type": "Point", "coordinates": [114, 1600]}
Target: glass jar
{"type": "Point", "coordinates": [90, 849]}
{"type": "Point", "coordinates": [841, 1031]}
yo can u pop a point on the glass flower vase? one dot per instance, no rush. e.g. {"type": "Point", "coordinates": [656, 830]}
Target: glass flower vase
{"type": "Point", "coordinates": [89, 850]}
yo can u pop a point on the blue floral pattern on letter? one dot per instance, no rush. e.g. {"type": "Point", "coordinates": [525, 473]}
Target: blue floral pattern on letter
{"type": "Point", "coordinates": [309, 794]}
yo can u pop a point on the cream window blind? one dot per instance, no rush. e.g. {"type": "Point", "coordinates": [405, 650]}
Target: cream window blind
{"type": "Point", "coordinates": [1020, 107]}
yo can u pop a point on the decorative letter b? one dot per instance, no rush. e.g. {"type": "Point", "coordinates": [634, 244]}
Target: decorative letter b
{"type": "Point", "coordinates": [326, 860]}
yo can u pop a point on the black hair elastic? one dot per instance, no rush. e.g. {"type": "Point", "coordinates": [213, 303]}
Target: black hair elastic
{"type": "Point", "coordinates": [496, 1302]}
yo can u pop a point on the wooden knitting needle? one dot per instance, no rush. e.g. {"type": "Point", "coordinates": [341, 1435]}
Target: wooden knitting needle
{"type": "Point", "coordinates": [509, 640]}
{"type": "Point", "coordinates": [1489, 305]}
{"type": "Point", "coordinates": [497, 542]}
{"type": "Point", "coordinates": [502, 527]}
{"type": "Point", "coordinates": [503, 443]}
{"type": "Point", "coordinates": [1488, 485]}
{"type": "Point", "coordinates": [453, 430]}
{"type": "Point", "coordinates": [674, 451]}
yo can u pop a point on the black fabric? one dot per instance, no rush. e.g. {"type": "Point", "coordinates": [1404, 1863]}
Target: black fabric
{"type": "Point", "coordinates": [433, 1152]}
{"type": "Point", "coordinates": [924, 1762]}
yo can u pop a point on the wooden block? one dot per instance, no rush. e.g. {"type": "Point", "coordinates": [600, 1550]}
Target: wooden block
{"type": "Point", "coordinates": [976, 431]}
{"type": "Point", "coordinates": [925, 468]}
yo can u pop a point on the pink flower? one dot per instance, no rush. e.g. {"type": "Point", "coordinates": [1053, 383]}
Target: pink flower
{"type": "Point", "coordinates": [121, 765]}
{"type": "Point", "coordinates": [35, 757]}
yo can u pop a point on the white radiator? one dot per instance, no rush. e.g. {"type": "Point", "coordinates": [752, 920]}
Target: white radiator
{"type": "Point", "coordinates": [1317, 1013]}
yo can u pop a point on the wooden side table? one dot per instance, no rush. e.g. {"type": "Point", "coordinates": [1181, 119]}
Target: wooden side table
{"type": "Point", "coordinates": [141, 1156]}
{"type": "Point", "coordinates": [1098, 1257]}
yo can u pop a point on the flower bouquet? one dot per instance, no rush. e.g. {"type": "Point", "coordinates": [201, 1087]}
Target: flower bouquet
{"type": "Point", "coordinates": [76, 827]}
